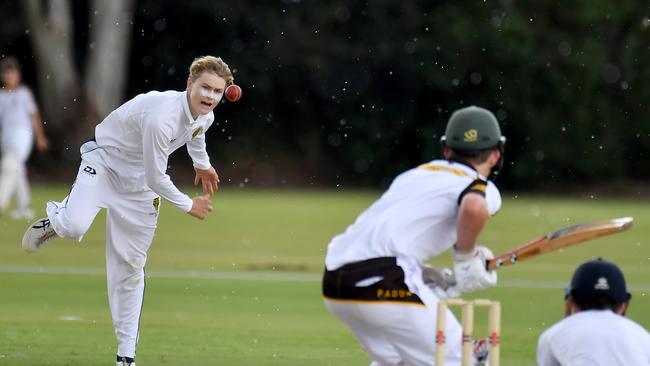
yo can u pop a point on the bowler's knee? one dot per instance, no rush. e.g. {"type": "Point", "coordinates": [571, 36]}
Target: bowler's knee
{"type": "Point", "coordinates": [133, 277]}
{"type": "Point", "coordinates": [137, 263]}
{"type": "Point", "coordinates": [69, 229]}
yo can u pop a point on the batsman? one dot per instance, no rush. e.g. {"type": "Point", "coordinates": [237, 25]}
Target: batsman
{"type": "Point", "coordinates": [376, 279]}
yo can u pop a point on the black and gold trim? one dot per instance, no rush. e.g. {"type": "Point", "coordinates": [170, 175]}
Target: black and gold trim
{"type": "Point", "coordinates": [478, 186]}
{"type": "Point", "coordinates": [344, 283]}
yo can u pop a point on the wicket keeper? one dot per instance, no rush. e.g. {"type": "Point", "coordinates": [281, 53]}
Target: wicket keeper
{"type": "Point", "coordinates": [373, 280]}
{"type": "Point", "coordinates": [595, 331]}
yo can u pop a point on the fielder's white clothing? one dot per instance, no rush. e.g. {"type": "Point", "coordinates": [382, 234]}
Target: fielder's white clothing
{"type": "Point", "coordinates": [17, 108]}
{"type": "Point", "coordinates": [414, 220]}
{"type": "Point", "coordinates": [594, 338]}
{"type": "Point", "coordinates": [124, 172]}
{"type": "Point", "coordinates": [16, 140]}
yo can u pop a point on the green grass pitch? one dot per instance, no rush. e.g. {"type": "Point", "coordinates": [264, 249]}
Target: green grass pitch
{"type": "Point", "coordinates": [242, 287]}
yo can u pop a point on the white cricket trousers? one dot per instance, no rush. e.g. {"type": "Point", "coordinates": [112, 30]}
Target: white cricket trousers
{"type": "Point", "coordinates": [131, 218]}
{"type": "Point", "coordinates": [16, 147]}
{"type": "Point", "coordinates": [400, 333]}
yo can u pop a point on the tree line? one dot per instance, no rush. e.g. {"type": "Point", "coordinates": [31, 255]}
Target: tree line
{"type": "Point", "coordinates": [350, 93]}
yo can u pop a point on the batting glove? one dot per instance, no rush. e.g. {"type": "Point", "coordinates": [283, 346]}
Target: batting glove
{"type": "Point", "coordinates": [470, 271]}
{"type": "Point", "coordinates": [440, 281]}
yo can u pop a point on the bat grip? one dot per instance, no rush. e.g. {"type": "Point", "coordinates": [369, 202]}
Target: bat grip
{"type": "Point", "coordinates": [488, 264]}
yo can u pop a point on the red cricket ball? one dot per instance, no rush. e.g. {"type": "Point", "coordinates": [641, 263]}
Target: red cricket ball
{"type": "Point", "coordinates": [233, 93]}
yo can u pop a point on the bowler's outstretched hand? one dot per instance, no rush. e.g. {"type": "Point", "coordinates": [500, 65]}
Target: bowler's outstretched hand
{"type": "Point", "coordinates": [209, 178]}
{"type": "Point", "coordinates": [201, 207]}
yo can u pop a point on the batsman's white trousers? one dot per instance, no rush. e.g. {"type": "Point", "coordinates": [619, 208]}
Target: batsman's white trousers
{"type": "Point", "coordinates": [16, 147]}
{"type": "Point", "coordinates": [401, 334]}
{"type": "Point", "coordinates": [131, 218]}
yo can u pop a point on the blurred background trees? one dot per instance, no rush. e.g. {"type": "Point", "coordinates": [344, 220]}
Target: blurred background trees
{"type": "Point", "coordinates": [350, 93]}
{"type": "Point", "coordinates": [74, 99]}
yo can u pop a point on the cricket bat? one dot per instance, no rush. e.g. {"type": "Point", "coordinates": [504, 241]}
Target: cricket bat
{"type": "Point", "coordinates": [559, 239]}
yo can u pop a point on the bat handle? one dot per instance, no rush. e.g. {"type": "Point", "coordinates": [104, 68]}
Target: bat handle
{"type": "Point", "coordinates": [500, 261]}
{"type": "Point", "coordinates": [492, 264]}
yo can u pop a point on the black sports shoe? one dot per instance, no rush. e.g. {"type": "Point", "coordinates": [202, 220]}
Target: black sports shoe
{"type": "Point", "coordinates": [125, 361]}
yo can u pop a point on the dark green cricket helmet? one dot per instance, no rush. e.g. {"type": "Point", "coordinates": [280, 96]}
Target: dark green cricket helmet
{"type": "Point", "coordinates": [472, 129]}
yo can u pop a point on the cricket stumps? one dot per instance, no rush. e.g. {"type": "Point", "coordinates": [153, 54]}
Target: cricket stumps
{"type": "Point", "coordinates": [467, 322]}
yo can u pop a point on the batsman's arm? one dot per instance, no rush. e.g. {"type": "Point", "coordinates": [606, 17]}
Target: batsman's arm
{"type": "Point", "coordinates": [472, 216]}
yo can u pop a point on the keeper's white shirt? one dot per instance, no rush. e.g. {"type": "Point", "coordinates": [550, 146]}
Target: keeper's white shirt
{"type": "Point", "coordinates": [594, 338]}
{"type": "Point", "coordinates": [140, 135]}
{"type": "Point", "coordinates": [414, 218]}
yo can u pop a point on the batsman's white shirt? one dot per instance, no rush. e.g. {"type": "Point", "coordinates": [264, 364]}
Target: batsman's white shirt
{"type": "Point", "coordinates": [142, 133]}
{"type": "Point", "coordinates": [412, 221]}
{"type": "Point", "coordinates": [594, 338]}
{"type": "Point", "coordinates": [415, 218]}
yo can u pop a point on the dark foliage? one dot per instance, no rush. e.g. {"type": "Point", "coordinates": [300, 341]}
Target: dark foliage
{"type": "Point", "coordinates": [353, 92]}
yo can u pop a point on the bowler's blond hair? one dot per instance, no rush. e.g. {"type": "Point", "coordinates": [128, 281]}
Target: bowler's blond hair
{"type": "Point", "coordinates": [211, 64]}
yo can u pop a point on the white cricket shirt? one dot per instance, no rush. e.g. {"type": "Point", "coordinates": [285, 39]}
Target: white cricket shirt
{"type": "Point", "coordinates": [140, 135]}
{"type": "Point", "coordinates": [16, 109]}
{"type": "Point", "coordinates": [594, 338]}
{"type": "Point", "coordinates": [414, 218]}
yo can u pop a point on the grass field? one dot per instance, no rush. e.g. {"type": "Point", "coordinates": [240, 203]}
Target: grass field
{"type": "Point", "coordinates": [242, 288]}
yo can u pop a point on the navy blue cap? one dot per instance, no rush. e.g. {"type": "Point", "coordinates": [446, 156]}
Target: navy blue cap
{"type": "Point", "coordinates": [596, 278]}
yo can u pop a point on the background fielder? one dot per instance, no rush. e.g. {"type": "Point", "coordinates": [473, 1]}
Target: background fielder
{"type": "Point", "coordinates": [374, 271]}
{"type": "Point", "coordinates": [124, 170]}
{"type": "Point", "coordinates": [20, 126]}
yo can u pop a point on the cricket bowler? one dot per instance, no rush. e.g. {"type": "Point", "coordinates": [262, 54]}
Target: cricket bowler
{"type": "Point", "coordinates": [123, 170]}
{"type": "Point", "coordinates": [376, 279]}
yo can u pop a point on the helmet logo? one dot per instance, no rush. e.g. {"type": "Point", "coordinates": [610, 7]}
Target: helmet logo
{"type": "Point", "coordinates": [602, 284]}
{"type": "Point", "coordinates": [470, 135]}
